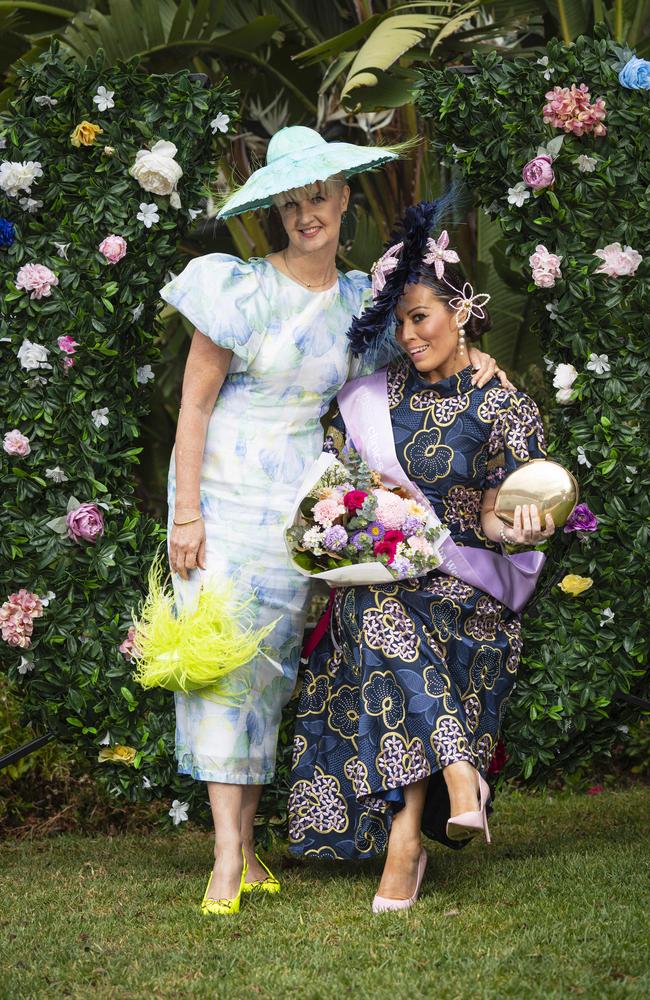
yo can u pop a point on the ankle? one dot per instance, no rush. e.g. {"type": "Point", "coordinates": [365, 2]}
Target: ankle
{"type": "Point", "coordinates": [405, 845]}
{"type": "Point", "coordinates": [227, 848]}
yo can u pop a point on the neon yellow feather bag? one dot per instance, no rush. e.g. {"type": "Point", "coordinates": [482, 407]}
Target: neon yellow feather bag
{"type": "Point", "coordinates": [198, 646]}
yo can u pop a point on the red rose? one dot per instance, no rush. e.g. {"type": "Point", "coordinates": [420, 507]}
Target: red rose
{"type": "Point", "coordinates": [499, 758]}
{"type": "Point", "coordinates": [596, 790]}
{"type": "Point", "coordinates": [384, 548]}
{"type": "Point", "coordinates": [394, 536]}
{"type": "Point", "coordinates": [354, 500]}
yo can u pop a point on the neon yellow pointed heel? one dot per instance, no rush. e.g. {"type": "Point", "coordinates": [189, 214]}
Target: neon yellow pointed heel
{"type": "Point", "coordinates": [223, 907]}
{"type": "Point", "coordinates": [269, 884]}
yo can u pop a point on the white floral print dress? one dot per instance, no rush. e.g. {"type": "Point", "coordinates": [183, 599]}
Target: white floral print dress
{"type": "Point", "coordinates": [290, 358]}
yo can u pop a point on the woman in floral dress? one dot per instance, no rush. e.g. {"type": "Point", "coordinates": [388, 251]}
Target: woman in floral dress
{"type": "Point", "coordinates": [268, 355]}
{"type": "Point", "coordinates": [403, 700]}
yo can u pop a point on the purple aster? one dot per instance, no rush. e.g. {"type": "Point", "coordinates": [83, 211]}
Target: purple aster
{"type": "Point", "coordinates": [359, 538]}
{"type": "Point", "coordinates": [336, 538]}
{"type": "Point", "coordinates": [376, 530]}
{"type": "Point", "coordinates": [411, 526]}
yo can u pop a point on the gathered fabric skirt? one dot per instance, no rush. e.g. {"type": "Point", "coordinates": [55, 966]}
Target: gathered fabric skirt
{"type": "Point", "coordinates": [412, 677]}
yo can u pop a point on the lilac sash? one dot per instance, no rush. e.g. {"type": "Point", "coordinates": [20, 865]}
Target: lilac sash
{"type": "Point", "coordinates": [511, 579]}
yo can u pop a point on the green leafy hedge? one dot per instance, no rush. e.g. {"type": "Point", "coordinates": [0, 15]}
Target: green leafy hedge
{"type": "Point", "coordinates": [72, 677]}
{"type": "Point", "coordinates": [576, 656]}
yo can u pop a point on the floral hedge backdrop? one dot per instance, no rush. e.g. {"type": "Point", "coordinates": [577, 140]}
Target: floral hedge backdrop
{"type": "Point", "coordinates": [557, 150]}
{"type": "Point", "coordinates": [102, 172]}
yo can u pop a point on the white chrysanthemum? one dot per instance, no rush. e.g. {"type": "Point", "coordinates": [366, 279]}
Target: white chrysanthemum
{"type": "Point", "coordinates": [17, 177]}
{"type": "Point", "coordinates": [313, 540]}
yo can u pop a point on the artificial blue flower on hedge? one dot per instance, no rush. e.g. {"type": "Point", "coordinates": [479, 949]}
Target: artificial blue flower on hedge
{"type": "Point", "coordinates": [7, 233]}
{"type": "Point", "coordinates": [635, 75]}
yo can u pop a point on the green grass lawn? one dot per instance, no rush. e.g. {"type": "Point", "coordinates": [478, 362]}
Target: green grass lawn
{"type": "Point", "coordinates": [556, 907]}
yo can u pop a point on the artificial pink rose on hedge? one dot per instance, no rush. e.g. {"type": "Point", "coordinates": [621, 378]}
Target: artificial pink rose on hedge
{"type": "Point", "coordinates": [16, 443]}
{"type": "Point", "coordinates": [67, 344]}
{"type": "Point", "coordinates": [85, 523]}
{"type": "Point", "coordinates": [113, 247]}
{"type": "Point", "coordinates": [538, 173]}
{"type": "Point", "coordinates": [129, 648]}
{"type": "Point", "coordinates": [616, 261]}
{"type": "Point", "coordinates": [37, 279]}
{"type": "Point", "coordinates": [17, 617]}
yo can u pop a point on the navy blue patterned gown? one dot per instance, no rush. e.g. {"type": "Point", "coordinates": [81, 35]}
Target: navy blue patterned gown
{"type": "Point", "coordinates": [413, 675]}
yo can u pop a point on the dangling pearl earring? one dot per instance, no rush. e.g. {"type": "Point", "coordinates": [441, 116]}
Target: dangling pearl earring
{"type": "Point", "coordinates": [461, 339]}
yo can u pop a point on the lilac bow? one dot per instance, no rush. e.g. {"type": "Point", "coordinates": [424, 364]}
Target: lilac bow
{"type": "Point", "coordinates": [383, 267]}
{"type": "Point", "coordinates": [468, 304]}
{"type": "Point", "coordinates": [438, 254]}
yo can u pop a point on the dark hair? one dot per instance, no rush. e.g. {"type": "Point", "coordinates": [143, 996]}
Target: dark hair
{"type": "Point", "coordinates": [426, 275]}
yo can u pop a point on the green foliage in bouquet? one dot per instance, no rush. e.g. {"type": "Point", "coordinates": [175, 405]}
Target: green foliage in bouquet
{"type": "Point", "coordinates": [77, 351]}
{"type": "Point", "coordinates": [579, 651]}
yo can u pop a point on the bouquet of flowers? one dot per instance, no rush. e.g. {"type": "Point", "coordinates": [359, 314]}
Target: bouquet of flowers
{"type": "Point", "coordinates": [348, 527]}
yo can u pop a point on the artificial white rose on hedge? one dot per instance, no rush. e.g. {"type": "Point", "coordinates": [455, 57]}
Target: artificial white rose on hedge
{"type": "Point", "coordinates": [156, 170]}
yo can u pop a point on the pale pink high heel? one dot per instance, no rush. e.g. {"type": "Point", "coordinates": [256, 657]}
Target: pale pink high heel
{"type": "Point", "coordinates": [381, 904]}
{"type": "Point", "coordinates": [470, 823]}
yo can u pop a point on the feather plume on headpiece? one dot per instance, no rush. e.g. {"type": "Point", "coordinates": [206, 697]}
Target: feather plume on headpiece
{"type": "Point", "coordinates": [408, 248]}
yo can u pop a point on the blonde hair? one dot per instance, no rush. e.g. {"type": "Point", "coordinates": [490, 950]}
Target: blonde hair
{"type": "Point", "coordinates": [328, 187]}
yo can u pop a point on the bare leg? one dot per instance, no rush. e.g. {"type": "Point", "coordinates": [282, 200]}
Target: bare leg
{"type": "Point", "coordinates": [250, 801]}
{"type": "Point", "coordinates": [404, 845]}
{"type": "Point", "coordinates": [462, 785]}
{"type": "Point", "coordinates": [226, 805]}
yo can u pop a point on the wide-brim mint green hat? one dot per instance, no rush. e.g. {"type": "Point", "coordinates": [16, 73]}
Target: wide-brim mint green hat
{"type": "Point", "coordinates": [297, 156]}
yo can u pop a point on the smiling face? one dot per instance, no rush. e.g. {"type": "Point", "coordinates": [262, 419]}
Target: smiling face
{"type": "Point", "coordinates": [428, 333]}
{"type": "Point", "coordinates": [312, 215]}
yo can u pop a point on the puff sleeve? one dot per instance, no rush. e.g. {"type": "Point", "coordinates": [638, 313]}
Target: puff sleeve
{"type": "Point", "coordinates": [222, 297]}
{"type": "Point", "coordinates": [517, 436]}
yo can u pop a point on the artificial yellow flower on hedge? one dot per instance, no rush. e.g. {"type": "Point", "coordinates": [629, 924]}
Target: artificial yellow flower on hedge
{"type": "Point", "coordinates": [119, 754]}
{"type": "Point", "coordinates": [575, 585]}
{"type": "Point", "coordinates": [85, 134]}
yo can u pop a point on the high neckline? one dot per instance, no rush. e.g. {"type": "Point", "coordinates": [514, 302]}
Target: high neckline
{"type": "Point", "coordinates": [454, 385]}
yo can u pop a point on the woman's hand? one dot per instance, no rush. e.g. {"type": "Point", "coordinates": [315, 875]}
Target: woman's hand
{"type": "Point", "coordinates": [486, 368]}
{"type": "Point", "coordinates": [187, 548]}
{"type": "Point", "coordinates": [527, 529]}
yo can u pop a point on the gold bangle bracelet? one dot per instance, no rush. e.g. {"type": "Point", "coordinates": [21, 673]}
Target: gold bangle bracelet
{"type": "Point", "coordinates": [179, 524]}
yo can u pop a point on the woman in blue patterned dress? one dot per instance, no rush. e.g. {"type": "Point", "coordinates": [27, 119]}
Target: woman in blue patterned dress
{"type": "Point", "coordinates": [268, 355]}
{"type": "Point", "coordinates": [403, 700]}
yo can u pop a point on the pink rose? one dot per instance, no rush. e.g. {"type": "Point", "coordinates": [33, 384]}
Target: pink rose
{"type": "Point", "coordinates": [67, 344]}
{"type": "Point", "coordinates": [86, 523]}
{"type": "Point", "coordinates": [37, 279]}
{"type": "Point", "coordinates": [617, 262]}
{"type": "Point", "coordinates": [113, 247]}
{"type": "Point", "coordinates": [16, 443]}
{"type": "Point", "coordinates": [538, 172]}
{"type": "Point", "coordinates": [544, 279]}
{"type": "Point", "coordinates": [16, 617]}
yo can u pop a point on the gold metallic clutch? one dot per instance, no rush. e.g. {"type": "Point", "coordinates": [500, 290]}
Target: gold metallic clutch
{"type": "Point", "coordinates": [547, 484]}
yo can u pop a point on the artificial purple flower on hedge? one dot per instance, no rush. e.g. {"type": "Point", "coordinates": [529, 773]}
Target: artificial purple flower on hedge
{"type": "Point", "coordinates": [635, 75]}
{"type": "Point", "coordinates": [538, 173]}
{"type": "Point", "coordinates": [85, 523]}
{"type": "Point", "coordinates": [7, 233]}
{"type": "Point", "coordinates": [582, 519]}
